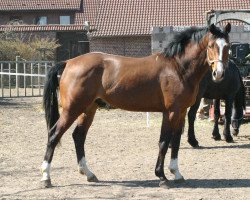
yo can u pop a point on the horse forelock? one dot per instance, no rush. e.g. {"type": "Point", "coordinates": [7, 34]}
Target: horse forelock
{"type": "Point", "coordinates": [218, 33]}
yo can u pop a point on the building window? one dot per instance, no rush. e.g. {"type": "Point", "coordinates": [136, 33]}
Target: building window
{"type": "Point", "coordinates": [41, 20]}
{"type": "Point", "coordinates": [64, 20]}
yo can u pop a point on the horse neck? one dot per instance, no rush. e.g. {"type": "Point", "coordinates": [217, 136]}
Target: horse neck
{"type": "Point", "coordinates": [198, 62]}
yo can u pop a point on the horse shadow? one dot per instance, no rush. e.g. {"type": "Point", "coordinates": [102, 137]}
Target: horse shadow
{"type": "Point", "coordinates": [189, 183]}
{"type": "Point", "coordinates": [232, 146]}
{"type": "Point", "coordinates": [8, 102]}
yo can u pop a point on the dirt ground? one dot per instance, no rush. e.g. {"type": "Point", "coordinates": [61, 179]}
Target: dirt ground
{"type": "Point", "coordinates": [121, 150]}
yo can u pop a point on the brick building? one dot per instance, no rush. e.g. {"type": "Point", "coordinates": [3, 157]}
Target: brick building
{"type": "Point", "coordinates": [58, 19]}
{"type": "Point", "coordinates": [124, 26]}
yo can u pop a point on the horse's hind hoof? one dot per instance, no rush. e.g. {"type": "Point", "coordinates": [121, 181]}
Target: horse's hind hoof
{"type": "Point", "coordinates": [46, 183]}
{"type": "Point", "coordinates": [229, 139]}
{"type": "Point", "coordinates": [181, 180]}
{"type": "Point", "coordinates": [92, 178]}
{"type": "Point", "coordinates": [194, 143]}
{"type": "Point", "coordinates": [216, 137]}
{"type": "Point", "coordinates": [165, 184]}
{"type": "Point", "coordinates": [235, 132]}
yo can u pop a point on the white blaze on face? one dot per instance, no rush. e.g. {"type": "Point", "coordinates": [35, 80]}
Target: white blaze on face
{"type": "Point", "coordinates": [221, 44]}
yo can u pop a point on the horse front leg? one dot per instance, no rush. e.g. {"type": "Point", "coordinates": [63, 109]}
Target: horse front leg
{"type": "Point", "coordinates": [228, 114]}
{"type": "Point", "coordinates": [173, 166]}
{"type": "Point", "coordinates": [216, 133]}
{"type": "Point", "coordinates": [165, 137]}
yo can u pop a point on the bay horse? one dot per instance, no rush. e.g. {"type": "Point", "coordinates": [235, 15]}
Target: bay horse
{"type": "Point", "coordinates": [164, 82]}
{"type": "Point", "coordinates": [232, 90]}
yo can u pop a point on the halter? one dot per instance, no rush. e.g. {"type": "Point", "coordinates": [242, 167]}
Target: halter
{"type": "Point", "coordinates": [210, 62]}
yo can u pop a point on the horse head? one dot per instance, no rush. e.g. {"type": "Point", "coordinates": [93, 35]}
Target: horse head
{"type": "Point", "coordinates": [218, 50]}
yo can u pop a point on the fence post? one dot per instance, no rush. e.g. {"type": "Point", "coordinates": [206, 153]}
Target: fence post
{"type": "Point", "coordinates": [17, 77]}
{"type": "Point", "coordinates": [31, 78]}
{"type": "Point", "coordinates": [39, 86]}
{"type": "Point", "coordinates": [24, 79]}
{"type": "Point", "coordinates": [9, 78]}
{"type": "Point", "coordinates": [2, 84]}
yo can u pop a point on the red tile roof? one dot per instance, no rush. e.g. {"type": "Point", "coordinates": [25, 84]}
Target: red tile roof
{"type": "Point", "coordinates": [26, 28]}
{"type": "Point", "coordinates": [136, 17]}
{"type": "Point", "coordinates": [13, 5]}
{"type": "Point", "coordinates": [125, 17]}
{"type": "Point", "coordinates": [90, 11]}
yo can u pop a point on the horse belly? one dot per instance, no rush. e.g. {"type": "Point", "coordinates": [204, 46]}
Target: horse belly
{"type": "Point", "coordinates": [139, 101]}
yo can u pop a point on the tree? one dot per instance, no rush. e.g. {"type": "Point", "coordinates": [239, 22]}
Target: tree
{"type": "Point", "coordinates": [14, 44]}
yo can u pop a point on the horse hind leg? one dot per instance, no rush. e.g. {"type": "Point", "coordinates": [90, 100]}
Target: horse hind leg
{"type": "Point", "coordinates": [79, 135]}
{"type": "Point", "coordinates": [236, 120]}
{"type": "Point", "coordinates": [64, 122]}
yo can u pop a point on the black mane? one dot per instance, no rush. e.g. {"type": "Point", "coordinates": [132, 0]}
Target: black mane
{"type": "Point", "coordinates": [177, 45]}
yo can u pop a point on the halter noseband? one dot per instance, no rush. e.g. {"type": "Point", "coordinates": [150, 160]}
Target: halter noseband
{"type": "Point", "coordinates": [210, 62]}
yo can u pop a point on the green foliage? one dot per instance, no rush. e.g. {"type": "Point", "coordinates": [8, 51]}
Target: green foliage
{"type": "Point", "coordinates": [32, 48]}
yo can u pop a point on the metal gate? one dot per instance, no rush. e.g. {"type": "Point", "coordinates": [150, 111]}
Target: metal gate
{"type": "Point", "coordinates": [23, 78]}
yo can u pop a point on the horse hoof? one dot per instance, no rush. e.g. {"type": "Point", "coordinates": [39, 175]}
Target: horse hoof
{"type": "Point", "coordinates": [46, 183]}
{"type": "Point", "coordinates": [181, 180]}
{"type": "Point", "coordinates": [92, 178]}
{"type": "Point", "coordinates": [216, 137]}
{"type": "Point", "coordinates": [229, 139]}
{"type": "Point", "coordinates": [194, 143]}
{"type": "Point", "coordinates": [164, 184]}
{"type": "Point", "coordinates": [235, 132]}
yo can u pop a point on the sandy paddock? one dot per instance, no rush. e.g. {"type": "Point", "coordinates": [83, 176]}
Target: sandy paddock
{"type": "Point", "coordinates": [121, 150]}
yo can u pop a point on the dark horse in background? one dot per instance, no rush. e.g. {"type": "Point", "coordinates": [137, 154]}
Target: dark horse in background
{"type": "Point", "coordinates": [165, 82]}
{"type": "Point", "coordinates": [232, 90]}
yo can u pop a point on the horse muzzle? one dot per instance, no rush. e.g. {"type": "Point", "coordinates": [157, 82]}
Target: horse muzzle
{"type": "Point", "coordinates": [218, 70]}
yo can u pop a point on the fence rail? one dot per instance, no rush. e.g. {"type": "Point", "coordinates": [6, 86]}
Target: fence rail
{"type": "Point", "coordinates": [23, 78]}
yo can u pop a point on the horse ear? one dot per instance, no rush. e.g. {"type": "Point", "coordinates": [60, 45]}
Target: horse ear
{"type": "Point", "coordinates": [212, 29]}
{"type": "Point", "coordinates": [227, 28]}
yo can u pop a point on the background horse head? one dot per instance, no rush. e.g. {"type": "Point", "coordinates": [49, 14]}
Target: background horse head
{"type": "Point", "coordinates": [164, 82]}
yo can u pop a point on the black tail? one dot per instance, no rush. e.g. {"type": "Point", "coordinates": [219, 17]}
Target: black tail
{"type": "Point", "coordinates": [50, 101]}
